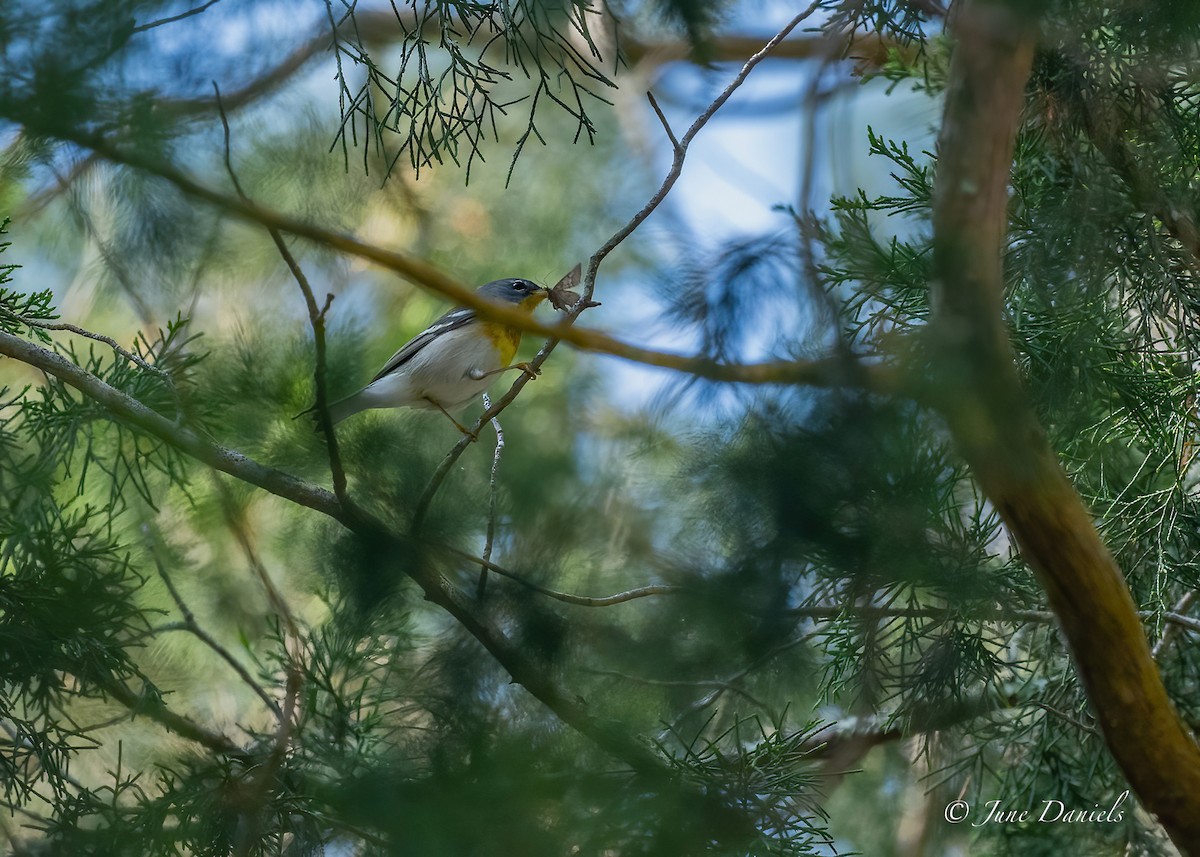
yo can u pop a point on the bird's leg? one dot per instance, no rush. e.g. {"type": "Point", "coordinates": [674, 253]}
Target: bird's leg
{"type": "Point", "coordinates": [457, 424]}
{"type": "Point", "coordinates": [527, 368]}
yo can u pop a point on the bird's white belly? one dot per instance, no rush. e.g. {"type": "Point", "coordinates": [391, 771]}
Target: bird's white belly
{"type": "Point", "coordinates": [440, 371]}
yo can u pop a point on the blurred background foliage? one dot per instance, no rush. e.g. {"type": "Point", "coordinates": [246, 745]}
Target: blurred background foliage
{"type": "Point", "coordinates": [842, 639]}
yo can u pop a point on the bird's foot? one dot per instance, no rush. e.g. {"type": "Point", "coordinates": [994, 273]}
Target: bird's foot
{"type": "Point", "coordinates": [531, 371]}
{"type": "Point", "coordinates": [528, 368]}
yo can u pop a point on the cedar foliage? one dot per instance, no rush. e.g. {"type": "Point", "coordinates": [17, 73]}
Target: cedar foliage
{"type": "Point", "coordinates": [844, 597]}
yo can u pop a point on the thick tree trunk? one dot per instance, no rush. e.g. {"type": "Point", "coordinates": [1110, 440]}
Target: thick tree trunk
{"type": "Point", "coordinates": [997, 431]}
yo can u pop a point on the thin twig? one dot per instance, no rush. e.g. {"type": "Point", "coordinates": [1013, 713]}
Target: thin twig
{"type": "Point", "coordinates": [681, 147]}
{"type": "Point", "coordinates": [730, 682]}
{"type": "Point", "coordinates": [141, 28]}
{"type": "Point", "coordinates": [663, 682]}
{"type": "Point", "coordinates": [1173, 625]}
{"type": "Point", "coordinates": [1044, 617]}
{"type": "Point", "coordinates": [135, 359]}
{"type": "Point", "coordinates": [190, 623]}
{"type": "Point", "coordinates": [660, 682]}
{"type": "Point", "coordinates": [493, 502]}
{"type": "Point", "coordinates": [436, 480]}
{"type": "Point", "coordinates": [259, 788]}
{"type": "Point", "coordinates": [833, 611]}
{"type": "Point", "coordinates": [151, 705]}
{"type": "Point", "coordinates": [566, 597]}
{"type": "Point", "coordinates": [104, 724]}
{"type": "Point", "coordinates": [316, 318]}
{"type": "Point", "coordinates": [1066, 718]}
{"type": "Point", "coordinates": [663, 119]}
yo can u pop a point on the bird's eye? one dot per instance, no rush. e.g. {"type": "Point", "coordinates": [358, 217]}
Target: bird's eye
{"type": "Point", "coordinates": [518, 286]}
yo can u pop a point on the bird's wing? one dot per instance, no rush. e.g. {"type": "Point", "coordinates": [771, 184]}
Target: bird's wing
{"type": "Point", "coordinates": [452, 320]}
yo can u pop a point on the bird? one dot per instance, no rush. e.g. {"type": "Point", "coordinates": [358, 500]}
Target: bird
{"type": "Point", "coordinates": [451, 362]}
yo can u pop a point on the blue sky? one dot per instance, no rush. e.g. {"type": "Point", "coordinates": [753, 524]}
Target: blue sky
{"type": "Point", "coordinates": [747, 162]}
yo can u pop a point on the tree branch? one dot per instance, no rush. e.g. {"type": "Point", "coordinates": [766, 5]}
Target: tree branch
{"type": "Point", "coordinates": [151, 706]}
{"type": "Point", "coordinates": [1107, 133]}
{"type": "Point", "coordinates": [566, 597]}
{"type": "Point", "coordinates": [867, 373]}
{"type": "Point", "coordinates": [999, 434]}
{"type": "Point", "coordinates": [141, 28]}
{"type": "Point", "coordinates": [193, 627]}
{"type": "Point", "coordinates": [567, 706]}
{"type": "Point", "coordinates": [1174, 618]}
{"type": "Point", "coordinates": [681, 147]}
{"type": "Point", "coordinates": [864, 49]}
{"type": "Point", "coordinates": [380, 28]}
{"type": "Point", "coordinates": [184, 439]}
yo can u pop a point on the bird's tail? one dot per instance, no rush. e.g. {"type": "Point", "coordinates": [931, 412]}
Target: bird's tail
{"type": "Point", "coordinates": [338, 411]}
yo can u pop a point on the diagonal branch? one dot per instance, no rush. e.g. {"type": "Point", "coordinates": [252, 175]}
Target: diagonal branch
{"type": "Point", "coordinates": [567, 597]}
{"type": "Point", "coordinates": [868, 373]}
{"type": "Point", "coordinates": [999, 434]}
{"type": "Point", "coordinates": [150, 25]}
{"type": "Point", "coordinates": [525, 671]}
{"type": "Point", "coordinates": [149, 705]}
{"type": "Point", "coordinates": [1107, 133]}
{"type": "Point", "coordinates": [865, 373]}
{"type": "Point", "coordinates": [1175, 620]}
{"type": "Point", "coordinates": [134, 413]}
{"type": "Point", "coordinates": [197, 630]}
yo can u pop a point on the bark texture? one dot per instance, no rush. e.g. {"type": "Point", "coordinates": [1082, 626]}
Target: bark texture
{"type": "Point", "coordinates": [995, 427]}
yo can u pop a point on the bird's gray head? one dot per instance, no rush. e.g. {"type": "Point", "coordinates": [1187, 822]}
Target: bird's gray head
{"type": "Point", "coordinates": [513, 290]}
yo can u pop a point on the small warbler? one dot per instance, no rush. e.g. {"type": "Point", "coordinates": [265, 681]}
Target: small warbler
{"type": "Point", "coordinates": [451, 362]}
